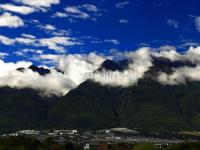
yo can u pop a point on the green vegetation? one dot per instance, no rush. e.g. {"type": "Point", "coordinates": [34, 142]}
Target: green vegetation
{"type": "Point", "coordinates": [146, 146]}
{"type": "Point", "coordinates": [148, 106]}
{"type": "Point", "coordinates": [25, 143]}
{"type": "Point", "coordinates": [180, 146]}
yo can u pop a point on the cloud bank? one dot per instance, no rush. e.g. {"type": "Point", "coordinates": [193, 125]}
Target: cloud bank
{"type": "Point", "coordinates": [77, 68]}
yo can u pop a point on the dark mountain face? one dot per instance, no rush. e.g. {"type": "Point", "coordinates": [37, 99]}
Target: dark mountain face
{"type": "Point", "coordinates": [114, 65]}
{"type": "Point", "coordinates": [165, 65]}
{"type": "Point", "coordinates": [148, 105]}
{"type": "Point", "coordinates": [22, 109]}
{"type": "Point", "coordinates": [42, 71]}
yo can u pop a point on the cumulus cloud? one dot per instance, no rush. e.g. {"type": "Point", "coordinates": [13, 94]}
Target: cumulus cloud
{"type": "Point", "coordinates": [77, 68]}
{"type": "Point", "coordinates": [53, 83]}
{"type": "Point", "coordinates": [75, 12]}
{"type": "Point", "coordinates": [141, 63]}
{"type": "Point", "coordinates": [38, 3]}
{"type": "Point", "coordinates": [11, 21]}
{"type": "Point", "coordinates": [29, 36]}
{"type": "Point", "coordinates": [24, 10]}
{"type": "Point", "coordinates": [26, 41]}
{"type": "Point", "coordinates": [73, 66]}
{"type": "Point", "coordinates": [182, 74]}
{"type": "Point", "coordinates": [24, 52]}
{"type": "Point", "coordinates": [5, 40]}
{"type": "Point", "coordinates": [168, 52]}
{"type": "Point", "coordinates": [60, 15]}
{"type": "Point", "coordinates": [85, 11]}
{"type": "Point", "coordinates": [57, 43]}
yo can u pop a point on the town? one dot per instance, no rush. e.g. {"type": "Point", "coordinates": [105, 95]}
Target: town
{"type": "Point", "coordinates": [123, 137]}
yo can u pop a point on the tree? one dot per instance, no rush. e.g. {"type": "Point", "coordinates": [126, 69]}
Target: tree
{"type": "Point", "coordinates": [146, 146]}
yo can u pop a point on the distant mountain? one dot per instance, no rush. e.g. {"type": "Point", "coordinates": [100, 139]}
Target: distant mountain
{"type": "Point", "coordinates": [111, 65]}
{"type": "Point", "coordinates": [161, 64]}
{"type": "Point", "coordinates": [22, 109]}
{"type": "Point", "coordinates": [40, 70]}
{"type": "Point", "coordinates": [149, 105]}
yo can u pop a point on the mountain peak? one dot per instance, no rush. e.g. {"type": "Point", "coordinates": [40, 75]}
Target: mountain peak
{"type": "Point", "coordinates": [42, 71]}
{"type": "Point", "coordinates": [112, 65]}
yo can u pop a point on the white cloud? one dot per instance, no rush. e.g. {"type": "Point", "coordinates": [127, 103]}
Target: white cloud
{"type": "Point", "coordinates": [168, 52]}
{"type": "Point", "coordinates": [26, 41]}
{"type": "Point", "coordinates": [24, 52]}
{"type": "Point", "coordinates": [173, 23]}
{"type": "Point", "coordinates": [122, 4]}
{"type": "Point", "coordinates": [180, 76]}
{"type": "Point", "coordinates": [197, 22]}
{"type": "Point", "coordinates": [141, 63]}
{"type": "Point", "coordinates": [60, 15]}
{"type": "Point", "coordinates": [3, 55]}
{"type": "Point", "coordinates": [47, 27]}
{"type": "Point", "coordinates": [7, 41]}
{"type": "Point", "coordinates": [123, 21]}
{"type": "Point", "coordinates": [53, 83]}
{"type": "Point", "coordinates": [9, 20]}
{"type": "Point", "coordinates": [38, 3]}
{"type": "Point", "coordinates": [113, 41]}
{"type": "Point", "coordinates": [29, 36]}
{"type": "Point", "coordinates": [78, 68]}
{"type": "Point", "coordinates": [74, 67]}
{"type": "Point", "coordinates": [49, 57]}
{"type": "Point", "coordinates": [57, 43]}
{"type": "Point", "coordinates": [17, 9]}
{"type": "Point", "coordinates": [90, 7]}
{"type": "Point", "coordinates": [85, 11]}
{"type": "Point", "coordinates": [75, 12]}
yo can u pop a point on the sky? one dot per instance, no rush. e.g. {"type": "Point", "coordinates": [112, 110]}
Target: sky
{"type": "Point", "coordinates": [33, 29]}
{"type": "Point", "coordinates": [76, 37]}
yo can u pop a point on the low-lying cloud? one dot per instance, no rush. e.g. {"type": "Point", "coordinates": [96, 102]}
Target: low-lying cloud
{"type": "Point", "coordinates": [77, 68]}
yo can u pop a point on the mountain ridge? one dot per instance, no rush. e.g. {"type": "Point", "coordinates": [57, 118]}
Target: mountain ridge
{"type": "Point", "coordinates": [148, 105]}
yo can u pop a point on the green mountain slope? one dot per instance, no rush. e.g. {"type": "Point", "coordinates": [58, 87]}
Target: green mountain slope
{"type": "Point", "coordinates": [149, 105]}
{"type": "Point", "coordinates": [21, 109]}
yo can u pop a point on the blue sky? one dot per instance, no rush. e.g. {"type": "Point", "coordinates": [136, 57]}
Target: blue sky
{"type": "Point", "coordinates": [29, 29]}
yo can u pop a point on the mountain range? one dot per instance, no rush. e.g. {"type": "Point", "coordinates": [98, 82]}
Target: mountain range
{"type": "Point", "coordinates": [148, 105]}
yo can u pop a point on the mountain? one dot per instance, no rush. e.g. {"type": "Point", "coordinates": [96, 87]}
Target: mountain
{"type": "Point", "coordinates": [40, 70]}
{"type": "Point", "coordinates": [22, 109]}
{"type": "Point", "coordinates": [148, 106]}
{"type": "Point", "coordinates": [111, 65]}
